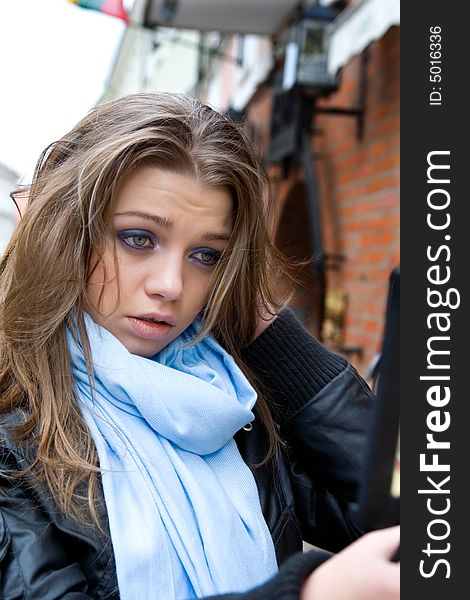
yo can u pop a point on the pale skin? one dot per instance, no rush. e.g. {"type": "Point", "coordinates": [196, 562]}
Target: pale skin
{"type": "Point", "coordinates": [169, 231]}
{"type": "Point", "coordinates": [362, 571]}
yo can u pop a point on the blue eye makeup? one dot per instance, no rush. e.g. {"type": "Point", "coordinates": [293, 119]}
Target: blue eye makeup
{"type": "Point", "coordinates": [140, 239]}
{"type": "Point", "coordinates": [206, 256]}
{"type": "Point", "coordinates": [137, 239]}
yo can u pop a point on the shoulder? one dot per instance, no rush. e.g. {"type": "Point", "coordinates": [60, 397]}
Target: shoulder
{"type": "Point", "coordinates": [34, 534]}
{"type": "Point", "coordinates": [13, 453]}
{"type": "Point", "coordinates": [11, 450]}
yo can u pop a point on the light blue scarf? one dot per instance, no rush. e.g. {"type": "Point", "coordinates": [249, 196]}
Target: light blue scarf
{"type": "Point", "coordinates": [183, 507]}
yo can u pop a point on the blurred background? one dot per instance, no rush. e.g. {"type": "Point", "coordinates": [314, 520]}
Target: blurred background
{"type": "Point", "coordinates": [314, 83]}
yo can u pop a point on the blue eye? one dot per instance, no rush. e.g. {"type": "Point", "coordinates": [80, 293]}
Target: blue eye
{"type": "Point", "coordinates": [136, 239]}
{"type": "Point", "coordinates": [206, 257]}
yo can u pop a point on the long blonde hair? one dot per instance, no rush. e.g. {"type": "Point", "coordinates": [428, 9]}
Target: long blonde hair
{"type": "Point", "coordinates": [46, 266]}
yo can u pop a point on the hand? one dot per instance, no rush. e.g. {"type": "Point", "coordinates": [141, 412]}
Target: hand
{"type": "Point", "coordinates": [362, 571]}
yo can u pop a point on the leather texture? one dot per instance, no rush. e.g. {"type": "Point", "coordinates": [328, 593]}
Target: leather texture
{"type": "Point", "coordinates": [304, 496]}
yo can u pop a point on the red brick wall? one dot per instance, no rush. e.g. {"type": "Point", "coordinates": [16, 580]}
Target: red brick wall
{"type": "Point", "coordinates": [359, 191]}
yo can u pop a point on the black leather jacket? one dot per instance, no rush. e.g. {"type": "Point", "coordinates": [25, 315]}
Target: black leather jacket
{"type": "Point", "coordinates": [321, 406]}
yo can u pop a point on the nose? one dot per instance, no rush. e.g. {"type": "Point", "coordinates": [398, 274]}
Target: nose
{"type": "Point", "coordinates": [165, 277]}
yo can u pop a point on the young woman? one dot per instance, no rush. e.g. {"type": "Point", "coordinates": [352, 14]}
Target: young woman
{"type": "Point", "coordinates": [137, 318]}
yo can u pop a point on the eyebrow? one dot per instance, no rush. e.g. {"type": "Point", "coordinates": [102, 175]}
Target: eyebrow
{"type": "Point", "coordinates": [168, 224]}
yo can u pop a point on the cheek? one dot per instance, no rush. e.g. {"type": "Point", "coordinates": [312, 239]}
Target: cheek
{"type": "Point", "coordinates": [198, 290]}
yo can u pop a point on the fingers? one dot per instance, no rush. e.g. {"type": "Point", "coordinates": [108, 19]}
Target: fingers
{"type": "Point", "coordinates": [382, 545]}
{"type": "Point", "coordinates": [383, 542]}
{"type": "Point", "coordinates": [362, 571]}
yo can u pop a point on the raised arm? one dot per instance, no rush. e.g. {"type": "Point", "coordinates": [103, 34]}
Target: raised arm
{"type": "Point", "coordinates": [322, 407]}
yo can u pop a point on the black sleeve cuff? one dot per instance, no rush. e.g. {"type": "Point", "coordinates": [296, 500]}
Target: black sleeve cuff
{"type": "Point", "coordinates": [291, 364]}
{"type": "Point", "coordinates": [286, 585]}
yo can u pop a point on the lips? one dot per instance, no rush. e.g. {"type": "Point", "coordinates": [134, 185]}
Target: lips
{"type": "Point", "coordinates": [152, 327]}
{"type": "Point", "coordinates": [151, 320]}
{"type": "Point", "coordinates": [156, 318]}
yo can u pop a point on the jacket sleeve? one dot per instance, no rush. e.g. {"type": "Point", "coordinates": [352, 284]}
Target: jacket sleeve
{"type": "Point", "coordinates": [34, 557]}
{"type": "Point", "coordinates": [322, 407]}
{"type": "Point", "coordinates": [286, 585]}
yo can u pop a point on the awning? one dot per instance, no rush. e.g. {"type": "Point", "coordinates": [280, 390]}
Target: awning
{"type": "Point", "coordinates": [262, 17]}
{"type": "Point", "coordinates": [355, 28]}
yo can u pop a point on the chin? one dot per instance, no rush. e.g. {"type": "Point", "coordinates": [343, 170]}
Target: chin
{"type": "Point", "coordinates": [145, 352]}
{"type": "Point", "coordinates": [139, 348]}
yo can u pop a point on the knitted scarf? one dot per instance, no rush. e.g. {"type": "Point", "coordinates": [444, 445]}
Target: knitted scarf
{"type": "Point", "coordinates": [183, 507]}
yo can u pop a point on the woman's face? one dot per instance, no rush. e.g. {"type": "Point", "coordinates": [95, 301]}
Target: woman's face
{"type": "Point", "coordinates": [169, 231]}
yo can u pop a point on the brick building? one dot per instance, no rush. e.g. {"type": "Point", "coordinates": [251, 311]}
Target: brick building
{"type": "Point", "coordinates": [343, 301]}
